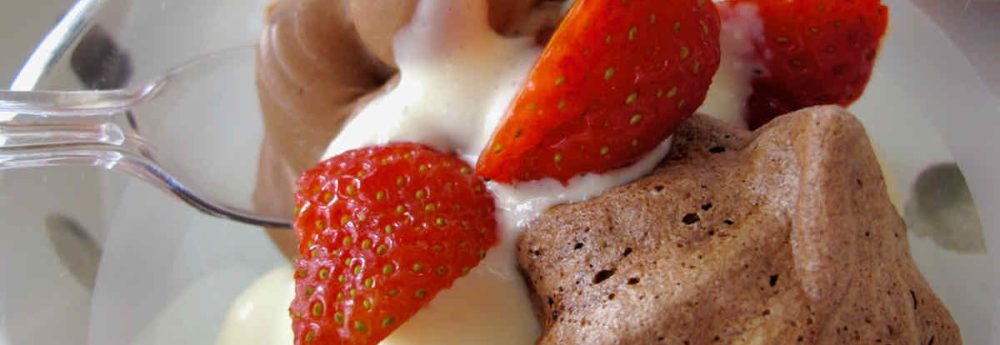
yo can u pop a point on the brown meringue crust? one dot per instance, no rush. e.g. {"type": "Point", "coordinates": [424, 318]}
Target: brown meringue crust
{"type": "Point", "coordinates": [317, 61]}
{"type": "Point", "coordinates": [781, 236]}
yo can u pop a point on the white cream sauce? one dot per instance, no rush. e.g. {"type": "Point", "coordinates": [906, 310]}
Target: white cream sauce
{"type": "Point", "coordinates": [457, 79]}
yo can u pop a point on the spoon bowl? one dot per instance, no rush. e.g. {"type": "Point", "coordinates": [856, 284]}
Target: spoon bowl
{"type": "Point", "coordinates": [135, 132]}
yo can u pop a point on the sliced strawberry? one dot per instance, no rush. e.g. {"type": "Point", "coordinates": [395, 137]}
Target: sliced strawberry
{"type": "Point", "coordinates": [381, 231]}
{"type": "Point", "coordinates": [815, 52]}
{"type": "Point", "coordinates": [614, 81]}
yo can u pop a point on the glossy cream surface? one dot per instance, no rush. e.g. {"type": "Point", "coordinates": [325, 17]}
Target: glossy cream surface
{"type": "Point", "coordinates": [457, 77]}
{"type": "Point", "coordinates": [260, 314]}
{"type": "Point", "coordinates": [741, 27]}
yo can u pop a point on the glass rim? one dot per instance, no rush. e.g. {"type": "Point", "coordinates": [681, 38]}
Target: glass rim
{"type": "Point", "coordinates": [56, 43]}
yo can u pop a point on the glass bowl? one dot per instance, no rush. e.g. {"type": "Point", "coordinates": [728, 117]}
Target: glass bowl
{"type": "Point", "coordinates": [91, 256]}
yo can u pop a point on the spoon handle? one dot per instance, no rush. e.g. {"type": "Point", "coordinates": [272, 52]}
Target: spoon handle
{"type": "Point", "coordinates": [73, 103]}
{"type": "Point", "coordinates": [100, 129]}
{"type": "Point", "coordinates": [61, 138]}
{"type": "Point", "coordinates": [100, 141]}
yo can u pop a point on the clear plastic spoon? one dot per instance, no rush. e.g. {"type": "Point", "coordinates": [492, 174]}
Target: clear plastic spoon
{"type": "Point", "coordinates": [194, 132]}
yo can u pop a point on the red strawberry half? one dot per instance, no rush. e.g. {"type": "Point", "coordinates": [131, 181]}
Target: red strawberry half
{"type": "Point", "coordinates": [815, 52]}
{"type": "Point", "coordinates": [614, 81]}
{"type": "Point", "coordinates": [381, 231]}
